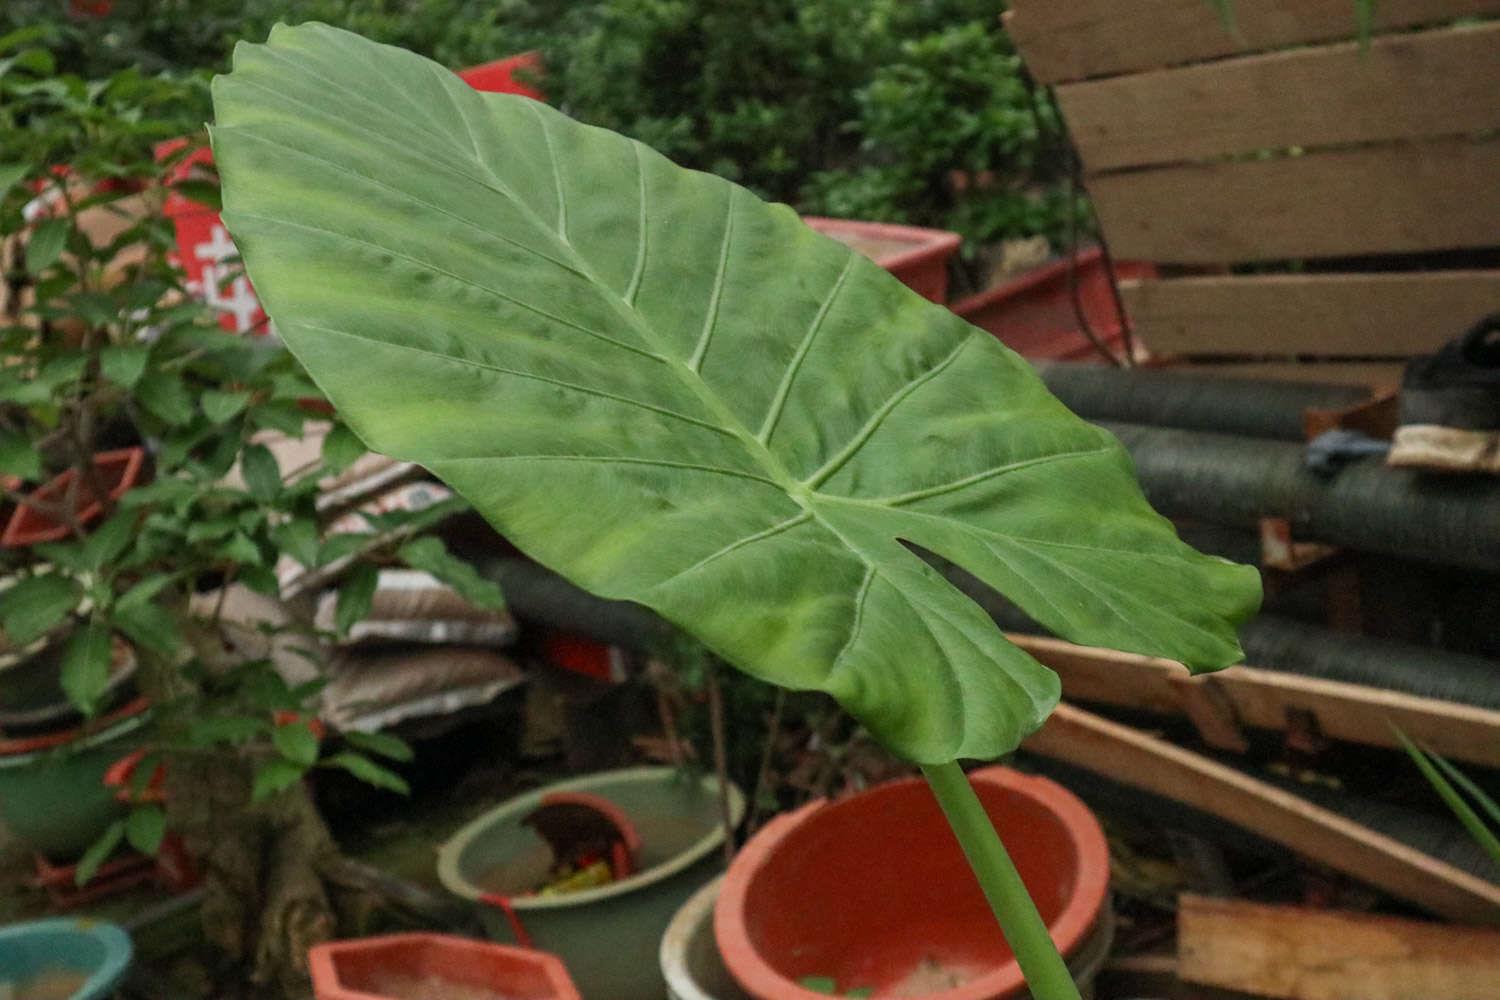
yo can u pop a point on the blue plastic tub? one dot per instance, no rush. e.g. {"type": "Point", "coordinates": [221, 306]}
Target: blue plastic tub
{"type": "Point", "coordinates": [57, 950]}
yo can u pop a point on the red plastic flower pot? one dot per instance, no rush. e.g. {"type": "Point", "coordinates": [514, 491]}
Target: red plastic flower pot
{"type": "Point", "coordinates": [917, 256]}
{"type": "Point", "coordinates": [517, 74]}
{"type": "Point", "coordinates": [418, 966]}
{"type": "Point", "coordinates": [1033, 314]}
{"type": "Point", "coordinates": [874, 892]}
{"type": "Point", "coordinates": [118, 471]}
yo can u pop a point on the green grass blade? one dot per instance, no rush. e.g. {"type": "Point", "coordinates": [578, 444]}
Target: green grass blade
{"type": "Point", "coordinates": [1471, 821]}
{"type": "Point", "coordinates": [1464, 782]}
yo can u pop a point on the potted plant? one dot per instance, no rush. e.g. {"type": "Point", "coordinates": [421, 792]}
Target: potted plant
{"type": "Point", "coordinates": [749, 419]}
{"type": "Point", "coordinates": [105, 346]}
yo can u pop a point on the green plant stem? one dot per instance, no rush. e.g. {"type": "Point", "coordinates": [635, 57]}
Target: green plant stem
{"type": "Point", "coordinates": [1046, 975]}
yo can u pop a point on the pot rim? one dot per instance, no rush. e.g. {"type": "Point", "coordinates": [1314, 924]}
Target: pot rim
{"type": "Point", "coordinates": [458, 884]}
{"type": "Point", "coordinates": [1068, 929]}
{"type": "Point", "coordinates": [21, 751]}
{"type": "Point", "coordinates": [118, 948]}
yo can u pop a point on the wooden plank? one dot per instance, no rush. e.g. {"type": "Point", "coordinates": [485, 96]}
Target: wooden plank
{"type": "Point", "coordinates": [1088, 38]}
{"type": "Point", "coordinates": [1296, 953]}
{"type": "Point", "coordinates": [1377, 375]}
{"type": "Point", "coordinates": [1363, 315]}
{"type": "Point", "coordinates": [1132, 758]}
{"type": "Point", "coordinates": [1442, 82]}
{"type": "Point", "coordinates": [1375, 200]}
{"type": "Point", "coordinates": [1266, 699]}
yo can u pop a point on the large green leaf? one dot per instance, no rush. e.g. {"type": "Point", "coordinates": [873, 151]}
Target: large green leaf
{"type": "Point", "coordinates": [676, 394]}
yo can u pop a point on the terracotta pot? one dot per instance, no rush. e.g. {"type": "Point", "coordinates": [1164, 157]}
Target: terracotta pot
{"type": "Point", "coordinates": [917, 256]}
{"type": "Point", "coordinates": [1033, 313]}
{"type": "Point", "coordinates": [874, 891]}
{"type": "Point", "coordinates": [119, 470]}
{"type": "Point", "coordinates": [440, 965]}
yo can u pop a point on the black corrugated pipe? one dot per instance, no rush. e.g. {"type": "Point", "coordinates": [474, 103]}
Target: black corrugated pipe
{"type": "Point", "coordinates": [1162, 398]}
{"type": "Point", "coordinates": [1235, 481]}
{"type": "Point", "coordinates": [1287, 646]}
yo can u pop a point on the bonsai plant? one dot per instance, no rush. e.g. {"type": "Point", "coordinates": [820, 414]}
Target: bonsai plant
{"type": "Point", "coordinates": [674, 393]}
{"type": "Point", "coordinates": [103, 348]}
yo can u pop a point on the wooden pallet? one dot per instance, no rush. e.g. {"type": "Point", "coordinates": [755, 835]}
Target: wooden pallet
{"type": "Point", "coordinates": [1285, 141]}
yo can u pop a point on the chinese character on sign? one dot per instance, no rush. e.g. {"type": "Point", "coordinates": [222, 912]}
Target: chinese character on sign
{"type": "Point", "coordinates": [221, 281]}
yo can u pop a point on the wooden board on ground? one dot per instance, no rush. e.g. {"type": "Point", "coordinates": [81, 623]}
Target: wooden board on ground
{"type": "Point", "coordinates": [1088, 38]}
{"type": "Point", "coordinates": [1296, 953]}
{"type": "Point", "coordinates": [1140, 761]}
{"type": "Point", "coordinates": [1363, 315]}
{"type": "Point", "coordinates": [1265, 699]}
{"type": "Point", "coordinates": [1400, 198]}
{"type": "Point", "coordinates": [1318, 97]}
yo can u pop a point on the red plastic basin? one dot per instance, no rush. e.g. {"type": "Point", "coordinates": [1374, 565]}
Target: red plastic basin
{"type": "Point", "coordinates": [917, 256]}
{"type": "Point", "coordinates": [874, 891]}
{"type": "Point", "coordinates": [1033, 313]}
{"type": "Point", "coordinates": [376, 968]}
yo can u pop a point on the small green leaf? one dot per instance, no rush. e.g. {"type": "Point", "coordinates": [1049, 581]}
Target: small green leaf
{"type": "Point", "coordinates": [355, 598]}
{"type": "Point", "coordinates": [205, 193]}
{"type": "Point", "coordinates": [146, 589]}
{"type": "Point", "coordinates": [10, 173]}
{"type": "Point", "coordinates": [381, 744]}
{"type": "Point", "coordinates": [48, 240]}
{"type": "Point", "coordinates": [819, 984]}
{"type": "Point", "coordinates": [275, 776]}
{"type": "Point", "coordinates": [99, 852]}
{"type": "Point", "coordinates": [85, 666]}
{"type": "Point", "coordinates": [144, 828]}
{"type": "Point", "coordinates": [225, 729]}
{"type": "Point", "coordinates": [34, 605]}
{"type": "Point", "coordinates": [261, 579]}
{"type": "Point", "coordinates": [341, 448]}
{"type": "Point", "coordinates": [296, 742]}
{"type": "Point", "coordinates": [430, 555]}
{"type": "Point", "coordinates": [221, 406]}
{"type": "Point", "coordinates": [19, 457]}
{"type": "Point", "coordinates": [148, 625]}
{"type": "Point", "coordinates": [299, 539]}
{"type": "Point", "coordinates": [124, 365]}
{"type": "Point", "coordinates": [368, 771]}
{"type": "Point", "coordinates": [262, 475]}
{"type": "Point", "coordinates": [165, 397]}
{"type": "Point", "coordinates": [240, 549]}
{"type": "Point", "coordinates": [109, 540]}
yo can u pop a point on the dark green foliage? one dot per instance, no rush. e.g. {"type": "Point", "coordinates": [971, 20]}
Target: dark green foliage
{"type": "Point", "coordinates": [913, 111]}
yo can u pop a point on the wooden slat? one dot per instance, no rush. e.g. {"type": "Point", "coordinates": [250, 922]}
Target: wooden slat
{"type": "Point", "coordinates": [1362, 315]}
{"type": "Point", "coordinates": [1374, 200]}
{"type": "Point", "coordinates": [1295, 953]}
{"type": "Point", "coordinates": [1085, 38]}
{"type": "Point", "coordinates": [1443, 82]}
{"type": "Point", "coordinates": [1266, 699]}
{"type": "Point", "coordinates": [1132, 758]}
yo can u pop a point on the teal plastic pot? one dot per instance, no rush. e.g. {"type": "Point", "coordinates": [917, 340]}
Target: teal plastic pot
{"type": "Point", "coordinates": [92, 954]}
{"type": "Point", "coordinates": [52, 794]}
{"type": "Point", "coordinates": [607, 937]}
